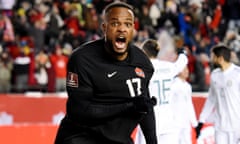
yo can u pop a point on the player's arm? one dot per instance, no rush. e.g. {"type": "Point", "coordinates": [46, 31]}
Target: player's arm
{"type": "Point", "coordinates": [208, 106]}
{"type": "Point", "coordinates": [207, 110]}
{"type": "Point", "coordinates": [148, 125]}
{"type": "Point", "coordinates": [191, 109]}
{"type": "Point", "coordinates": [180, 63]}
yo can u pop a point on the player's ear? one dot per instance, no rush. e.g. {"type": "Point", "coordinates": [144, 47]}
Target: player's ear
{"type": "Point", "coordinates": [103, 26]}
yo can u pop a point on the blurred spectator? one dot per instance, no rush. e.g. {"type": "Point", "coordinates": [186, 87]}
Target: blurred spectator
{"type": "Point", "coordinates": [197, 76]}
{"type": "Point", "coordinates": [102, 3]}
{"type": "Point", "coordinates": [8, 31]}
{"type": "Point", "coordinates": [170, 16]}
{"type": "Point", "coordinates": [141, 36]}
{"type": "Point", "coordinates": [67, 49]}
{"type": "Point", "coordinates": [6, 66]}
{"type": "Point", "coordinates": [2, 27]}
{"type": "Point", "coordinates": [235, 58]}
{"type": "Point", "coordinates": [74, 32]}
{"type": "Point", "coordinates": [59, 65]}
{"type": "Point", "coordinates": [232, 39]}
{"type": "Point", "coordinates": [92, 23]}
{"type": "Point", "coordinates": [205, 62]}
{"type": "Point", "coordinates": [186, 25]}
{"type": "Point", "coordinates": [37, 29]}
{"type": "Point", "coordinates": [54, 26]}
{"type": "Point", "coordinates": [42, 24]}
{"type": "Point", "coordinates": [21, 71]}
{"type": "Point", "coordinates": [6, 6]}
{"type": "Point", "coordinates": [145, 21]}
{"type": "Point", "coordinates": [199, 79]}
{"type": "Point", "coordinates": [154, 14]}
{"type": "Point", "coordinates": [233, 14]}
{"type": "Point", "coordinates": [217, 16]}
{"type": "Point", "coordinates": [42, 63]}
{"type": "Point", "coordinates": [21, 23]}
{"type": "Point", "coordinates": [79, 8]}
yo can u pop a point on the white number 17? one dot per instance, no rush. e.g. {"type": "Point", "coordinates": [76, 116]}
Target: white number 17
{"type": "Point", "coordinates": [134, 82]}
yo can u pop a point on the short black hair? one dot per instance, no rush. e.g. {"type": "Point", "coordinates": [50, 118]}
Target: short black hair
{"type": "Point", "coordinates": [150, 47]}
{"type": "Point", "coordinates": [222, 50]}
{"type": "Point", "coordinates": [117, 4]}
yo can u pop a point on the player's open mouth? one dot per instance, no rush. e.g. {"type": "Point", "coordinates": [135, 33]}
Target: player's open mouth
{"type": "Point", "coordinates": [120, 42]}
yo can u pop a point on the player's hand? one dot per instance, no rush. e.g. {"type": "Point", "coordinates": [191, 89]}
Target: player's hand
{"type": "Point", "coordinates": [143, 104]}
{"type": "Point", "coordinates": [198, 129]}
{"type": "Point", "coordinates": [181, 51]}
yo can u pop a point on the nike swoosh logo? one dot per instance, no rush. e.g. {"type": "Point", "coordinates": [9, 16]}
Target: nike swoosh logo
{"type": "Point", "coordinates": [111, 74]}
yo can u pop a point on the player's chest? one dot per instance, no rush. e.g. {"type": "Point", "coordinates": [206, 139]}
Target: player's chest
{"type": "Point", "coordinates": [123, 79]}
{"type": "Point", "coordinates": [222, 81]}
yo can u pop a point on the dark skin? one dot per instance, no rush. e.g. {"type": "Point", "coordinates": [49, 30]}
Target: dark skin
{"type": "Point", "coordinates": [118, 29]}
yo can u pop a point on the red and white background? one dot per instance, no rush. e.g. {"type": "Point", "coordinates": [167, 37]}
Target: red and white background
{"type": "Point", "coordinates": [33, 118]}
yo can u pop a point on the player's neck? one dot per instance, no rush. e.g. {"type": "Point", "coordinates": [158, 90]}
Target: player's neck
{"type": "Point", "coordinates": [225, 66]}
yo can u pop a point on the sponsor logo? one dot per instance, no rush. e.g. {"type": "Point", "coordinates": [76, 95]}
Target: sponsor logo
{"type": "Point", "coordinates": [111, 74]}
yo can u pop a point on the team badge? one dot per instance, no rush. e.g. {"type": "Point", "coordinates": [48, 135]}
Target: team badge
{"type": "Point", "coordinates": [139, 72]}
{"type": "Point", "coordinates": [72, 79]}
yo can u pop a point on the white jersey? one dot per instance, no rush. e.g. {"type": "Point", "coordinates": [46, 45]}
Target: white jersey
{"type": "Point", "coordinates": [181, 99]}
{"type": "Point", "coordinates": [159, 87]}
{"type": "Point", "coordinates": [224, 99]}
{"type": "Point", "coordinates": [184, 113]}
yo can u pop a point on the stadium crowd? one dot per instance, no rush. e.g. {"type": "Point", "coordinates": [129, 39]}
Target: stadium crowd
{"type": "Point", "coordinates": [36, 37]}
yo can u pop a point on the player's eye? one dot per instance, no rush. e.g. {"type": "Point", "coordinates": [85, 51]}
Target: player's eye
{"type": "Point", "coordinates": [129, 24]}
{"type": "Point", "coordinates": [115, 24]}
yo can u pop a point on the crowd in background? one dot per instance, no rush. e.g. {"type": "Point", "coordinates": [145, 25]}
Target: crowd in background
{"type": "Point", "coordinates": [36, 37]}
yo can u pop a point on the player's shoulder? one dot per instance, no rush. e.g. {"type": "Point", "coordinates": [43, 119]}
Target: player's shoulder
{"type": "Point", "coordinates": [164, 62]}
{"type": "Point", "coordinates": [180, 81]}
{"type": "Point", "coordinates": [136, 51]}
{"type": "Point", "coordinates": [87, 52]}
{"type": "Point", "coordinates": [216, 71]}
{"type": "Point", "coordinates": [232, 69]}
{"type": "Point", "coordinates": [176, 81]}
{"type": "Point", "coordinates": [138, 55]}
{"type": "Point", "coordinates": [236, 67]}
{"type": "Point", "coordinates": [89, 47]}
{"type": "Point", "coordinates": [188, 85]}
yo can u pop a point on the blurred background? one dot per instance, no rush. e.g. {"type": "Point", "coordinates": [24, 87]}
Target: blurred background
{"type": "Point", "coordinates": [37, 36]}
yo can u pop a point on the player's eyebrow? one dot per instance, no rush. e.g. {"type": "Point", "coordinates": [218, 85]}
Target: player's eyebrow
{"type": "Point", "coordinates": [128, 19]}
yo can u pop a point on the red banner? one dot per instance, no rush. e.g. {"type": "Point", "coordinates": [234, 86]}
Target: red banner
{"type": "Point", "coordinates": [34, 118]}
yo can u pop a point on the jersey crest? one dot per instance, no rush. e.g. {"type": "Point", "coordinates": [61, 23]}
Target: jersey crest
{"type": "Point", "coordinates": [139, 72]}
{"type": "Point", "coordinates": [72, 79]}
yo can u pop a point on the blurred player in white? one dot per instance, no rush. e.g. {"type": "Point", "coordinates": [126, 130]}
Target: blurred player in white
{"type": "Point", "coordinates": [223, 98]}
{"type": "Point", "coordinates": [184, 112]}
{"type": "Point", "coordinates": [159, 86]}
